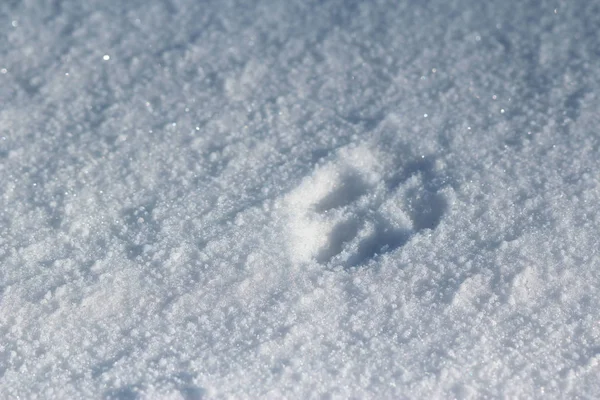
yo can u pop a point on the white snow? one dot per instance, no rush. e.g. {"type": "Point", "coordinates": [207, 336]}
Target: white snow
{"type": "Point", "coordinates": [299, 199]}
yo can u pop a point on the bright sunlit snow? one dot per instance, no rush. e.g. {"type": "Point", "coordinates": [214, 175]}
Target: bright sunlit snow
{"type": "Point", "coordinates": [299, 199]}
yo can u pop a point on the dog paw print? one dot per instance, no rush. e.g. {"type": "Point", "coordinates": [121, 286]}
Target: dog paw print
{"type": "Point", "coordinates": [349, 211]}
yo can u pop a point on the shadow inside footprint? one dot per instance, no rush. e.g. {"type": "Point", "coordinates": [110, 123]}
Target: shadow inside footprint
{"type": "Point", "coordinates": [340, 235]}
{"type": "Point", "coordinates": [350, 188]}
{"type": "Point", "coordinates": [426, 209]}
{"type": "Point", "coordinates": [423, 166]}
{"type": "Point", "coordinates": [384, 239]}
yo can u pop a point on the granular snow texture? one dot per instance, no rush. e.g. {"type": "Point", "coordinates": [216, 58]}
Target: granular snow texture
{"type": "Point", "coordinates": [299, 199]}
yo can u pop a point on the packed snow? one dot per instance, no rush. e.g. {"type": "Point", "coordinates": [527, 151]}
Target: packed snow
{"type": "Point", "coordinates": [299, 199]}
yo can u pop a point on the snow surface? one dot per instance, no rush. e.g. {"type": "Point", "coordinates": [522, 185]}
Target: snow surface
{"type": "Point", "coordinates": [299, 199]}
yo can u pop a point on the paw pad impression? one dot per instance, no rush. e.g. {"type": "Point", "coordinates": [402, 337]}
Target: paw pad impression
{"type": "Point", "coordinates": [347, 213]}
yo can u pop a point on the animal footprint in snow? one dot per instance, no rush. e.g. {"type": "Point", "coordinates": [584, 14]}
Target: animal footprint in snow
{"type": "Point", "coordinates": [346, 213]}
